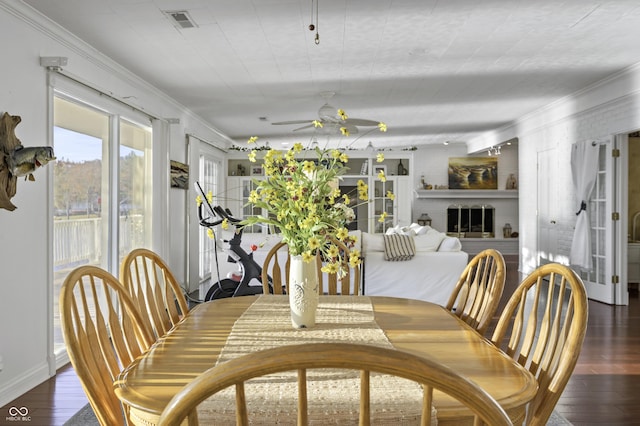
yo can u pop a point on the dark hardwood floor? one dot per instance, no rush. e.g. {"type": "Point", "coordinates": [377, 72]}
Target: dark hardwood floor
{"type": "Point", "coordinates": [604, 388]}
{"type": "Point", "coordinates": [51, 403]}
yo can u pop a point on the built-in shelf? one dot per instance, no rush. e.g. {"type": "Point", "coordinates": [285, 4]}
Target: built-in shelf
{"type": "Point", "coordinates": [466, 193]}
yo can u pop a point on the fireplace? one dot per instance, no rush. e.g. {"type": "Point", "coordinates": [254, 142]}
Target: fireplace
{"type": "Point", "coordinates": [471, 221]}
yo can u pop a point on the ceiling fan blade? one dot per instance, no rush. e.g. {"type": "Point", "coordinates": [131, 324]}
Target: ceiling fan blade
{"type": "Point", "coordinates": [360, 122]}
{"type": "Point", "coordinates": [353, 130]}
{"type": "Point", "coordinates": [291, 122]}
{"type": "Point", "coordinates": [303, 127]}
{"type": "Point", "coordinates": [337, 128]}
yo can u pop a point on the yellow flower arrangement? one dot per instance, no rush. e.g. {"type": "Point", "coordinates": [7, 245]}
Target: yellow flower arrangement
{"type": "Point", "coordinates": [304, 202]}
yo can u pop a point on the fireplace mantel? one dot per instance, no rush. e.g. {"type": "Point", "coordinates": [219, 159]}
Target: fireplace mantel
{"type": "Point", "coordinates": [466, 193]}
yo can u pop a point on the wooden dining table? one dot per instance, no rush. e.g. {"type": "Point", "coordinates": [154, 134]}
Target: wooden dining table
{"type": "Point", "coordinates": [197, 342]}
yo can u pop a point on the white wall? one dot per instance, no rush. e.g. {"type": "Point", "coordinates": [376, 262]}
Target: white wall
{"type": "Point", "coordinates": [25, 283]}
{"type": "Point", "coordinates": [599, 112]}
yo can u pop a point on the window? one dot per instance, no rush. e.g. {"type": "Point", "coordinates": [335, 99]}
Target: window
{"type": "Point", "coordinates": [209, 180]}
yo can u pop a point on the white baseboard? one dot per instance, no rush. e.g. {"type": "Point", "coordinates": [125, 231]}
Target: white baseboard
{"type": "Point", "coordinates": [23, 384]}
{"type": "Point", "coordinates": [62, 359]}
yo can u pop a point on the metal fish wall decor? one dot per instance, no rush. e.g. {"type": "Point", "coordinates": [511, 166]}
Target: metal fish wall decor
{"type": "Point", "coordinates": [16, 160]}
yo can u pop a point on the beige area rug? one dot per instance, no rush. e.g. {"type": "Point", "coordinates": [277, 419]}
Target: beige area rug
{"type": "Point", "coordinates": [333, 394]}
{"type": "Point", "coordinates": [86, 417]}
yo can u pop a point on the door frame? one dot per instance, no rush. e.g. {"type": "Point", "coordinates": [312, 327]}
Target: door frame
{"type": "Point", "coordinates": [621, 295]}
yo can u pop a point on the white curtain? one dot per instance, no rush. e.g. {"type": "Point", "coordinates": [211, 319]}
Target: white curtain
{"type": "Point", "coordinates": [584, 169]}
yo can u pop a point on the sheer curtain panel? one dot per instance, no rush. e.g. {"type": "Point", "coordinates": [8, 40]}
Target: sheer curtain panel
{"type": "Point", "coordinates": [584, 168]}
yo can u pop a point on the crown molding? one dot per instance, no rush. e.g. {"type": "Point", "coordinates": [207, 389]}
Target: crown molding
{"type": "Point", "coordinates": [94, 57]}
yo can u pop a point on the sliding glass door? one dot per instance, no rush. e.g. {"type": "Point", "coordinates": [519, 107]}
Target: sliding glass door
{"type": "Point", "coordinates": [101, 190]}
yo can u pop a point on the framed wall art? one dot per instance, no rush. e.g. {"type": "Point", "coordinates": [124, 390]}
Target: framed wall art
{"type": "Point", "coordinates": [179, 175]}
{"type": "Point", "coordinates": [473, 173]}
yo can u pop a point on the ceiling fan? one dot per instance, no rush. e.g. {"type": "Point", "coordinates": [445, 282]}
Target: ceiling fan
{"type": "Point", "coordinates": [328, 116]}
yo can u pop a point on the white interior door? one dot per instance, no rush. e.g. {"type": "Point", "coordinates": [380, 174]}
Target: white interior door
{"type": "Point", "coordinates": [547, 207]}
{"type": "Point", "coordinates": [607, 281]}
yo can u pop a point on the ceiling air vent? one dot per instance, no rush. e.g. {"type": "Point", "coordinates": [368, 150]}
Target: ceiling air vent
{"type": "Point", "coordinates": [180, 18]}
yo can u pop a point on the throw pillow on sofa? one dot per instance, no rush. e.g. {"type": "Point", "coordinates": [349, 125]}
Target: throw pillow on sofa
{"type": "Point", "coordinates": [450, 244]}
{"type": "Point", "coordinates": [429, 241]}
{"type": "Point", "coordinates": [372, 242]}
{"type": "Point", "coordinates": [398, 247]}
{"type": "Point", "coordinates": [413, 229]}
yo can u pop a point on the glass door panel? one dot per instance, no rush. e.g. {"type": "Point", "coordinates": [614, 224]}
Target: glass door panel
{"type": "Point", "coordinates": [209, 178]}
{"type": "Point", "coordinates": [134, 183]}
{"type": "Point", "coordinates": [383, 206]}
{"type": "Point", "coordinates": [599, 281]}
{"type": "Point", "coordinates": [80, 137]}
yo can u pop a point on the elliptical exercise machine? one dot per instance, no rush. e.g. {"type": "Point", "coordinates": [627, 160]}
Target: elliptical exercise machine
{"type": "Point", "coordinates": [250, 270]}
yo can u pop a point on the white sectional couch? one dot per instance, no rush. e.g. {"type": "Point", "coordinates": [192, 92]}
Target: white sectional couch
{"type": "Point", "coordinates": [430, 275]}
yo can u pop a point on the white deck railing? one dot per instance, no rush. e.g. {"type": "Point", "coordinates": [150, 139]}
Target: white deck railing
{"type": "Point", "coordinates": [79, 240]}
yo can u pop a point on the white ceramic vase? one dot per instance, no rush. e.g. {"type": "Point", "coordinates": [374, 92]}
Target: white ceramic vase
{"type": "Point", "coordinates": [303, 292]}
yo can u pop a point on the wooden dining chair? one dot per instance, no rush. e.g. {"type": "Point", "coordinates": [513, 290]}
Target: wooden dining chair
{"type": "Point", "coordinates": [103, 333]}
{"type": "Point", "coordinates": [477, 293]}
{"type": "Point", "coordinates": [277, 262]}
{"type": "Point", "coordinates": [363, 358]}
{"type": "Point", "coordinates": [155, 289]}
{"type": "Point", "coordinates": [276, 266]}
{"type": "Point", "coordinates": [542, 327]}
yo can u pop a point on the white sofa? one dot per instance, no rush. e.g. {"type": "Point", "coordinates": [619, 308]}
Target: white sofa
{"type": "Point", "coordinates": [430, 275]}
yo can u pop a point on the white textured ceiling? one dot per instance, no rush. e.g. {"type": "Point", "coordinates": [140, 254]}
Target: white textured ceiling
{"type": "Point", "coordinates": [433, 71]}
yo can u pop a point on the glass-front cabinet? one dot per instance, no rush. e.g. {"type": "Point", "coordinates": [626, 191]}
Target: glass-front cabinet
{"type": "Point", "coordinates": [362, 166]}
{"type": "Point", "coordinates": [384, 206]}
{"type": "Point", "coordinates": [388, 211]}
{"type": "Point", "coordinates": [397, 208]}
